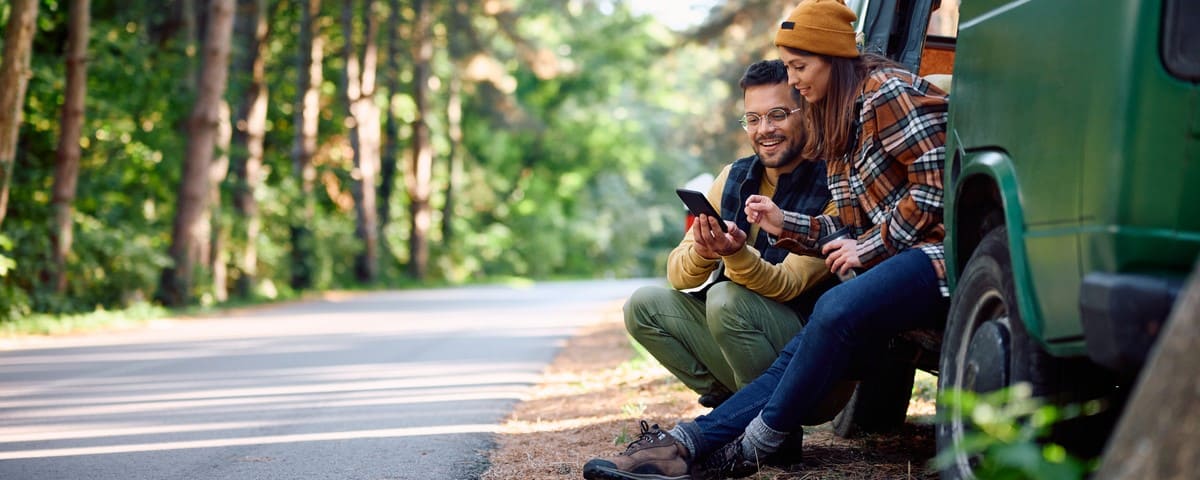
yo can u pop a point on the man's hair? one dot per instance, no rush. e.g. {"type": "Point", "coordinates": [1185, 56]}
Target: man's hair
{"type": "Point", "coordinates": [765, 72]}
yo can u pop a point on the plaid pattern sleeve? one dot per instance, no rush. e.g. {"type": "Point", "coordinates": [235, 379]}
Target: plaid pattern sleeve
{"type": "Point", "coordinates": [899, 163]}
{"type": "Point", "coordinates": [800, 232]}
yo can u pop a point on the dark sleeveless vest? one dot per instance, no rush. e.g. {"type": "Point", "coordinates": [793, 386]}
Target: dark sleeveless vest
{"type": "Point", "coordinates": [802, 190]}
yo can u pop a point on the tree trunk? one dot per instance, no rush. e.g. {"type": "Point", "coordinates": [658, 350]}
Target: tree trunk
{"type": "Point", "coordinates": [66, 168]}
{"type": "Point", "coordinates": [14, 77]}
{"type": "Point", "coordinates": [1158, 436]}
{"type": "Point", "coordinates": [217, 253]}
{"type": "Point", "coordinates": [391, 137]}
{"type": "Point", "coordinates": [308, 110]}
{"type": "Point", "coordinates": [359, 85]}
{"type": "Point", "coordinates": [459, 41]}
{"type": "Point", "coordinates": [187, 231]}
{"type": "Point", "coordinates": [248, 138]}
{"type": "Point", "coordinates": [454, 168]}
{"type": "Point", "coordinates": [420, 179]}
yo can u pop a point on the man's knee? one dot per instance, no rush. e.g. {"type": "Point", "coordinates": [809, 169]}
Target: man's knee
{"type": "Point", "coordinates": [729, 306]}
{"type": "Point", "coordinates": [641, 307]}
{"type": "Point", "coordinates": [725, 296]}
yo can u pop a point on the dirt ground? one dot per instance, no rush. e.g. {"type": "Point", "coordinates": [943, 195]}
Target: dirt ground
{"type": "Point", "coordinates": [594, 393]}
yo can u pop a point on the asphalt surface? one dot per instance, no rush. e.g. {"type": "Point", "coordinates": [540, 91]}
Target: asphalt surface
{"type": "Point", "coordinates": [394, 385]}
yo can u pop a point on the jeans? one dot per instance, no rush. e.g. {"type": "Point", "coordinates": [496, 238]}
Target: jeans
{"type": "Point", "coordinates": [720, 343]}
{"type": "Point", "coordinates": [901, 293]}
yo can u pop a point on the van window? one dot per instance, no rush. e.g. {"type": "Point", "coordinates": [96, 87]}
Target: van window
{"type": "Point", "coordinates": [1181, 41]}
{"type": "Point", "coordinates": [938, 54]}
{"type": "Point", "coordinates": [944, 21]}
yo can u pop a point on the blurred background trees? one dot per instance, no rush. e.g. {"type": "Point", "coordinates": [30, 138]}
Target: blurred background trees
{"type": "Point", "coordinates": [190, 151]}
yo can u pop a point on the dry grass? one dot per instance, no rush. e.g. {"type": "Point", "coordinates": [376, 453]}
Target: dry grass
{"type": "Point", "coordinates": [593, 394]}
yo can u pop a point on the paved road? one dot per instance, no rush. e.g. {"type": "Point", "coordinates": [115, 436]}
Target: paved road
{"type": "Point", "coordinates": [396, 385]}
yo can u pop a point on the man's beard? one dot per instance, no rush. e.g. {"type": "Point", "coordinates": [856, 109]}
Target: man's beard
{"type": "Point", "coordinates": [788, 156]}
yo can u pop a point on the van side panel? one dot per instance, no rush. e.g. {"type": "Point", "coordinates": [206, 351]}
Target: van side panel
{"type": "Point", "coordinates": [998, 171]}
{"type": "Point", "coordinates": [1097, 135]}
{"type": "Point", "coordinates": [1140, 201]}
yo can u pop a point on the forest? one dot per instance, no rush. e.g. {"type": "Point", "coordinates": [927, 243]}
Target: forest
{"type": "Point", "coordinates": [197, 152]}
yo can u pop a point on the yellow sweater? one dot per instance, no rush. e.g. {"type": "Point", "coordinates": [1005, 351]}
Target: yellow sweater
{"type": "Point", "coordinates": [780, 282]}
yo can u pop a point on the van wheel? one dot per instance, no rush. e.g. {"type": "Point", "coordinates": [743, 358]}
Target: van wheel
{"type": "Point", "coordinates": [985, 347]}
{"type": "Point", "coordinates": [879, 403]}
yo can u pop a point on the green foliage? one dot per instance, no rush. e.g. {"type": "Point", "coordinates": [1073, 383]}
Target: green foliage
{"type": "Point", "coordinates": [6, 263]}
{"type": "Point", "coordinates": [14, 302]}
{"type": "Point", "coordinates": [42, 324]}
{"type": "Point", "coordinates": [126, 184]}
{"type": "Point", "coordinates": [622, 438]}
{"type": "Point", "coordinates": [925, 386]}
{"type": "Point", "coordinates": [580, 192]}
{"type": "Point", "coordinates": [634, 410]}
{"type": "Point", "coordinates": [572, 151]}
{"type": "Point", "coordinates": [1008, 432]}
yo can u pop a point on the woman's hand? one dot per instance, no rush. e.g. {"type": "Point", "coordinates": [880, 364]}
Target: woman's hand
{"type": "Point", "coordinates": [762, 210]}
{"type": "Point", "coordinates": [841, 255]}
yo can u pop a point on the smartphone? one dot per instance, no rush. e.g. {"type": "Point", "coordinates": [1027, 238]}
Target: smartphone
{"type": "Point", "coordinates": [698, 204]}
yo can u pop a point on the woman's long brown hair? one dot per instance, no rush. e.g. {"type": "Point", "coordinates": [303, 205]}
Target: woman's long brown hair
{"type": "Point", "coordinates": [830, 121]}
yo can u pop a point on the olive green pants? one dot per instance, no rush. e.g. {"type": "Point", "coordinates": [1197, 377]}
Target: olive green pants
{"type": "Point", "coordinates": [724, 341]}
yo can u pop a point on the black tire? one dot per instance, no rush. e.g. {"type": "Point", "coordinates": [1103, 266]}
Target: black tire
{"type": "Point", "coordinates": [986, 347]}
{"type": "Point", "coordinates": [879, 403]}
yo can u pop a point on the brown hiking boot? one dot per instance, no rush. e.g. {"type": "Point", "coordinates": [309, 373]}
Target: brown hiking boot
{"type": "Point", "coordinates": [655, 455]}
{"type": "Point", "coordinates": [727, 462]}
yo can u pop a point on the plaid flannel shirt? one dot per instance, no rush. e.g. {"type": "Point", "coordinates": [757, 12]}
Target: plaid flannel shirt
{"type": "Point", "coordinates": [888, 191]}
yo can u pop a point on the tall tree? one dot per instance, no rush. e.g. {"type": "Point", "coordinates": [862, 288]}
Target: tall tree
{"type": "Point", "coordinates": [391, 131]}
{"type": "Point", "coordinates": [216, 251]}
{"type": "Point", "coordinates": [309, 77]}
{"type": "Point", "coordinates": [66, 168]}
{"type": "Point", "coordinates": [247, 154]}
{"type": "Point", "coordinates": [459, 42]}
{"type": "Point", "coordinates": [359, 89]}
{"type": "Point", "coordinates": [188, 229]}
{"type": "Point", "coordinates": [420, 177]}
{"type": "Point", "coordinates": [14, 78]}
{"type": "Point", "coordinates": [454, 113]}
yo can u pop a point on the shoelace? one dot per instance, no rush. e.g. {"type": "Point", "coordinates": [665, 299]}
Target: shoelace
{"type": "Point", "coordinates": [646, 436]}
{"type": "Point", "coordinates": [728, 461]}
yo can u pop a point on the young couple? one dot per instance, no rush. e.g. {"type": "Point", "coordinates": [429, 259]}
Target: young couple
{"type": "Point", "coordinates": [881, 131]}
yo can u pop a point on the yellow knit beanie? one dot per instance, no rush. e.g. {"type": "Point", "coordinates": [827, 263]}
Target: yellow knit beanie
{"type": "Point", "coordinates": [820, 26]}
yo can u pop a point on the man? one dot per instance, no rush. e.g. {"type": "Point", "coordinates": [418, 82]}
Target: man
{"type": "Point", "coordinates": [718, 339]}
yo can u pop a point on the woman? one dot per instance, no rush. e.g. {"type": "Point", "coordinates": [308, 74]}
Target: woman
{"type": "Point", "coordinates": [882, 131]}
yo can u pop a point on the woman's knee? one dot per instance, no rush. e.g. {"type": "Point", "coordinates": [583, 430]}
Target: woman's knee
{"type": "Point", "coordinates": [833, 317]}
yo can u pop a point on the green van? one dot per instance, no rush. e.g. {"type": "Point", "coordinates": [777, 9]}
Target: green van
{"type": "Point", "coordinates": [1072, 190]}
{"type": "Point", "coordinates": [1072, 186]}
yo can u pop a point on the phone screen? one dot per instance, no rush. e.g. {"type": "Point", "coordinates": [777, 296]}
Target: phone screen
{"type": "Point", "coordinates": [698, 204]}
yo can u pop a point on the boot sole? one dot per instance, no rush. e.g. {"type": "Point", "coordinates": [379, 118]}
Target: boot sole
{"type": "Point", "coordinates": [601, 472]}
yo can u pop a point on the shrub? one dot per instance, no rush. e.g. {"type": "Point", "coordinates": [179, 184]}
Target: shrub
{"type": "Point", "coordinates": [1008, 434]}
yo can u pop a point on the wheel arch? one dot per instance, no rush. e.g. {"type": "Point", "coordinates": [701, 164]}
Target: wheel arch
{"type": "Point", "coordinates": [987, 195]}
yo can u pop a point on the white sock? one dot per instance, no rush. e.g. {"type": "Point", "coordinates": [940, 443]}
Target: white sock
{"type": "Point", "coordinates": [760, 440]}
{"type": "Point", "coordinates": [683, 437]}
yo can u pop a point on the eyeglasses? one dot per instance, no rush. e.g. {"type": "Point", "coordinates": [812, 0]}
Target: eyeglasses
{"type": "Point", "coordinates": [751, 121]}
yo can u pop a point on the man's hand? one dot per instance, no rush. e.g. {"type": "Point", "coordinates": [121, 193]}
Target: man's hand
{"type": "Point", "coordinates": [710, 242]}
{"type": "Point", "coordinates": [763, 211]}
{"type": "Point", "coordinates": [841, 255]}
